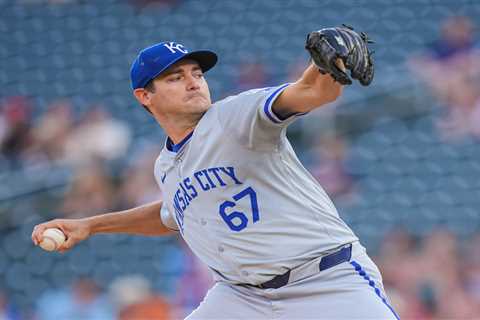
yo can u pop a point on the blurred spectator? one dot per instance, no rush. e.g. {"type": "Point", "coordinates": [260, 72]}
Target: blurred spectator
{"type": "Point", "coordinates": [463, 117]}
{"type": "Point", "coordinates": [7, 311]}
{"type": "Point", "coordinates": [135, 300]}
{"type": "Point", "coordinates": [296, 69]}
{"type": "Point", "coordinates": [15, 135]}
{"type": "Point", "coordinates": [456, 39]}
{"type": "Point", "coordinates": [90, 192]}
{"type": "Point", "coordinates": [398, 261]}
{"type": "Point", "coordinates": [97, 136]}
{"type": "Point", "coordinates": [428, 281]}
{"type": "Point", "coordinates": [138, 184]}
{"type": "Point", "coordinates": [471, 274]}
{"type": "Point", "coordinates": [251, 74]}
{"type": "Point", "coordinates": [330, 155]}
{"type": "Point", "coordinates": [4, 127]}
{"type": "Point", "coordinates": [83, 300]}
{"type": "Point", "coordinates": [443, 270]}
{"type": "Point", "coordinates": [192, 285]}
{"type": "Point", "coordinates": [52, 130]}
{"type": "Point", "coordinates": [451, 68]}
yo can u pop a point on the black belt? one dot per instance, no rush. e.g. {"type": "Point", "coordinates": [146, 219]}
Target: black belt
{"type": "Point", "coordinates": [328, 261]}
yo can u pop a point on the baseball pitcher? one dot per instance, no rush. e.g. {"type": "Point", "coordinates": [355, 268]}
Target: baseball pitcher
{"type": "Point", "coordinates": [237, 193]}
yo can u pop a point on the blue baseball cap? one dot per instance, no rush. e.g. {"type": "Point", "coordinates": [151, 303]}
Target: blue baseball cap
{"type": "Point", "coordinates": [152, 61]}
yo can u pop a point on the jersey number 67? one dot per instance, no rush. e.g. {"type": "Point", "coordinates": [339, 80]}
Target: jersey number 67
{"type": "Point", "coordinates": [237, 220]}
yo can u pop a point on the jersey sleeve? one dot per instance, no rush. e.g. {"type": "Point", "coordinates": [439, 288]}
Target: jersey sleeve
{"type": "Point", "coordinates": [250, 119]}
{"type": "Point", "coordinates": [167, 219]}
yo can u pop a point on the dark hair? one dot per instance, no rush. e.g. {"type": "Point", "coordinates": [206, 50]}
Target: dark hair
{"type": "Point", "coordinates": [150, 86]}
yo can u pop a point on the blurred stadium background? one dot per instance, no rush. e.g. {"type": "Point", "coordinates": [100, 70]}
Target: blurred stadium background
{"type": "Point", "coordinates": [400, 158]}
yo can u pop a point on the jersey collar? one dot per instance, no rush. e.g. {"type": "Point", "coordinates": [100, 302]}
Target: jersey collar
{"type": "Point", "coordinates": [176, 147]}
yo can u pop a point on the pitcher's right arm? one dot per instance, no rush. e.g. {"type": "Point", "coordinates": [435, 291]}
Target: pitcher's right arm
{"type": "Point", "coordinates": [143, 220]}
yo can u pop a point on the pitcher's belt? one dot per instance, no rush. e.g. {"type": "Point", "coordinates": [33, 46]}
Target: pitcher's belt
{"type": "Point", "coordinates": [330, 260]}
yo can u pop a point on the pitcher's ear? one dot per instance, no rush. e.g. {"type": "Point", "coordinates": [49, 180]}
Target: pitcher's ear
{"type": "Point", "coordinates": [142, 96]}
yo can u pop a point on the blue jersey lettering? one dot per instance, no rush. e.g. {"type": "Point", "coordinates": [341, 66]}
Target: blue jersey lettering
{"type": "Point", "coordinates": [205, 172]}
{"type": "Point", "coordinates": [190, 187]}
{"type": "Point", "coordinates": [185, 195]}
{"type": "Point", "coordinates": [230, 171]}
{"type": "Point", "coordinates": [197, 175]}
{"type": "Point", "coordinates": [219, 179]}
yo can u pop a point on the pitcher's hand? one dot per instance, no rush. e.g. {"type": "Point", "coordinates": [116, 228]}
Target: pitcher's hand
{"type": "Point", "coordinates": [75, 230]}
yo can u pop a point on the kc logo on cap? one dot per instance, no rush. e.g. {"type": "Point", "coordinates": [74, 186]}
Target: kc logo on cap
{"type": "Point", "coordinates": [153, 60]}
{"type": "Point", "coordinates": [173, 47]}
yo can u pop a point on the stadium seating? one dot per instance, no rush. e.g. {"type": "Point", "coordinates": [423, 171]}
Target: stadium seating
{"type": "Point", "coordinates": [82, 50]}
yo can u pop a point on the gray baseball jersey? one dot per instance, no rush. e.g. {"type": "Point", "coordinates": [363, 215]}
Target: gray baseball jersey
{"type": "Point", "coordinates": [240, 197]}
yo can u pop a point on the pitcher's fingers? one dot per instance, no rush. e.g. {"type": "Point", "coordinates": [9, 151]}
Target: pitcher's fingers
{"type": "Point", "coordinates": [67, 245]}
{"type": "Point", "coordinates": [37, 233]}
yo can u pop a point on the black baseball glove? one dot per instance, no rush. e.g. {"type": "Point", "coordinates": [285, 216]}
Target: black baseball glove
{"type": "Point", "coordinates": [327, 45]}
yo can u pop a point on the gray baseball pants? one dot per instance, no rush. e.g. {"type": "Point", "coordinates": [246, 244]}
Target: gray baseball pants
{"type": "Point", "coordinates": [350, 290]}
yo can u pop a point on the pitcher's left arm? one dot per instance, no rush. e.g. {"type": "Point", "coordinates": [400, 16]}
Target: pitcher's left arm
{"type": "Point", "coordinates": [334, 51]}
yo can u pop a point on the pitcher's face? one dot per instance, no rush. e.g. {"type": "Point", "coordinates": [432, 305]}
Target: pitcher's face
{"type": "Point", "coordinates": [181, 89]}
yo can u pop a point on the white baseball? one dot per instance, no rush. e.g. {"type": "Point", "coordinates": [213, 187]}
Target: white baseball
{"type": "Point", "coordinates": [53, 238]}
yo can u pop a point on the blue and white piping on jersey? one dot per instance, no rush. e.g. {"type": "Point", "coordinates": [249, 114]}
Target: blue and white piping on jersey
{"type": "Point", "coordinates": [371, 283]}
{"type": "Point", "coordinates": [267, 108]}
{"type": "Point", "coordinates": [176, 147]}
